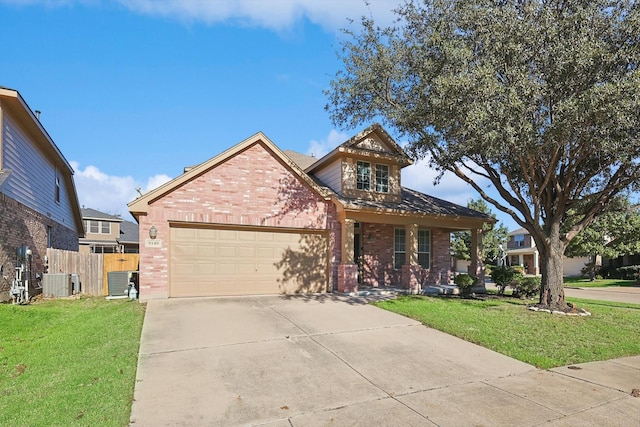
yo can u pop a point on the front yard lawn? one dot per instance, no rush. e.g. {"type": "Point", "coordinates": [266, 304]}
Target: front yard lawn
{"type": "Point", "coordinates": [579, 282]}
{"type": "Point", "coordinates": [68, 362]}
{"type": "Point", "coordinates": [543, 340]}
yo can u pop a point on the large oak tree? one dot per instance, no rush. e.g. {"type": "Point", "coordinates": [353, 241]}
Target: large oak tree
{"type": "Point", "coordinates": [539, 97]}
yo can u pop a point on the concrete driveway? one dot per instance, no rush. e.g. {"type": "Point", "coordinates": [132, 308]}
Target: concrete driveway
{"type": "Point", "coordinates": [330, 360]}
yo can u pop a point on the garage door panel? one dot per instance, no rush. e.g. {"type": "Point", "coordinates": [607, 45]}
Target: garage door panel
{"type": "Point", "coordinates": [208, 262]}
{"type": "Point", "coordinates": [246, 252]}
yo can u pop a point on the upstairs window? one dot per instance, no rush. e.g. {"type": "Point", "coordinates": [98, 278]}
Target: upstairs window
{"type": "Point", "coordinates": [363, 176]}
{"type": "Point", "coordinates": [518, 240]}
{"type": "Point", "coordinates": [399, 248]}
{"type": "Point", "coordinates": [97, 227]}
{"type": "Point", "coordinates": [382, 178]}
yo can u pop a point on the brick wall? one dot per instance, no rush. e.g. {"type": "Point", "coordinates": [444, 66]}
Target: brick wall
{"type": "Point", "coordinates": [20, 225]}
{"type": "Point", "coordinates": [441, 257]}
{"type": "Point", "coordinates": [378, 257]}
{"type": "Point", "coordinates": [250, 188]}
{"type": "Point", "coordinates": [377, 244]}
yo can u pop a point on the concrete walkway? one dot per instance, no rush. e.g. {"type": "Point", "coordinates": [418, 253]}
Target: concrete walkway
{"type": "Point", "coordinates": [331, 360]}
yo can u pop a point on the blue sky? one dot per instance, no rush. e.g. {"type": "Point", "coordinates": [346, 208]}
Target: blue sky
{"type": "Point", "coordinates": [134, 91]}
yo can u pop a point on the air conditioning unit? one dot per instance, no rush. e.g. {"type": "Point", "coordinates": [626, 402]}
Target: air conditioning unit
{"type": "Point", "coordinates": [57, 285]}
{"type": "Point", "coordinates": [118, 282]}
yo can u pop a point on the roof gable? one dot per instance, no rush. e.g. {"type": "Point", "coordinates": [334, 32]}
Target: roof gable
{"type": "Point", "coordinates": [141, 204]}
{"type": "Point", "coordinates": [374, 142]}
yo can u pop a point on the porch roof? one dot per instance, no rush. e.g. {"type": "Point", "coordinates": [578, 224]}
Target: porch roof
{"type": "Point", "coordinates": [415, 202]}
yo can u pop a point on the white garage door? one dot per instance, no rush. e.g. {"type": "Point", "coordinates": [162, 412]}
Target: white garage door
{"type": "Point", "coordinates": [228, 261]}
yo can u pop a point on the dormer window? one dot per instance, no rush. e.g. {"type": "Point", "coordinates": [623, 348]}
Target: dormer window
{"type": "Point", "coordinates": [382, 178]}
{"type": "Point", "coordinates": [363, 176]}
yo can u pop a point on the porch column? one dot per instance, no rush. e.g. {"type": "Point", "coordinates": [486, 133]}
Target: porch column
{"type": "Point", "coordinates": [476, 267]}
{"type": "Point", "coordinates": [536, 266]}
{"type": "Point", "coordinates": [347, 241]}
{"type": "Point", "coordinates": [347, 270]}
{"type": "Point", "coordinates": [411, 271]}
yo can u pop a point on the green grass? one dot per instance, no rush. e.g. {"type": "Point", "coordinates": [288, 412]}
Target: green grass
{"type": "Point", "coordinates": [68, 362]}
{"type": "Point", "coordinates": [601, 283]}
{"type": "Point", "coordinates": [543, 340]}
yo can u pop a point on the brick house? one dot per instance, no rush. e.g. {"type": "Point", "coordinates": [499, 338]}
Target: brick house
{"type": "Point", "coordinates": [257, 220]}
{"type": "Point", "coordinates": [38, 201]}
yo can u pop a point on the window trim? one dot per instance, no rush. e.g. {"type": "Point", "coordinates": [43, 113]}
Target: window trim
{"type": "Point", "coordinates": [384, 179]}
{"type": "Point", "coordinates": [428, 251]}
{"type": "Point", "coordinates": [362, 183]}
{"type": "Point", "coordinates": [99, 226]}
{"type": "Point", "coordinates": [57, 188]}
{"type": "Point", "coordinates": [399, 247]}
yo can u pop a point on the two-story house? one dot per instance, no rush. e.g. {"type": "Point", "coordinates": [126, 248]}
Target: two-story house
{"type": "Point", "coordinates": [38, 201]}
{"type": "Point", "coordinates": [107, 234]}
{"type": "Point", "coordinates": [522, 251]}
{"type": "Point", "coordinates": [257, 220]}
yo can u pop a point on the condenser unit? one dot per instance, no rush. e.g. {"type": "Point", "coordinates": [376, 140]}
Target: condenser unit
{"type": "Point", "coordinates": [57, 285]}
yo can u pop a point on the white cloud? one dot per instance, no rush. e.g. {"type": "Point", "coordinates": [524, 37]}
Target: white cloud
{"type": "Point", "coordinates": [420, 176]}
{"type": "Point", "coordinates": [320, 148]}
{"type": "Point", "coordinates": [275, 15]}
{"type": "Point", "coordinates": [110, 193]}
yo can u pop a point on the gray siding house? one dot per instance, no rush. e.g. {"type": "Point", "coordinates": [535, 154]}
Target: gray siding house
{"type": "Point", "coordinates": [38, 200]}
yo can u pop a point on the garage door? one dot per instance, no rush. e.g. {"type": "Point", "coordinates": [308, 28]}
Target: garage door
{"type": "Point", "coordinates": [227, 261]}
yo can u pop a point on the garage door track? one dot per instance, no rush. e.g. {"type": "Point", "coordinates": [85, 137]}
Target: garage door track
{"type": "Point", "coordinates": [331, 360]}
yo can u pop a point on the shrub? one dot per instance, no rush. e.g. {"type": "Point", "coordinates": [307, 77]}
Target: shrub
{"type": "Point", "coordinates": [526, 286]}
{"type": "Point", "coordinates": [488, 268]}
{"type": "Point", "coordinates": [630, 272]}
{"type": "Point", "coordinates": [504, 276]}
{"type": "Point", "coordinates": [465, 282]}
{"type": "Point", "coordinates": [590, 270]}
{"type": "Point", "coordinates": [519, 269]}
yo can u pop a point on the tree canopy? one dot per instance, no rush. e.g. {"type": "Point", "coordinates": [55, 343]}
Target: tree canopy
{"type": "Point", "coordinates": [538, 97]}
{"type": "Point", "coordinates": [614, 233]}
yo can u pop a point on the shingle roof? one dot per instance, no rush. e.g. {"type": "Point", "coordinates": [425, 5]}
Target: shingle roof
{"type": "Point", "coordinates": [129, 232]}
{"type": "Point", "coordinates": [412, 201]}
{"type": "Point", "coordinates": [94, 214]}
{"type": "Point", "coordinates": [302, 160]}
{"type": "Point", "coordinates": [416, 202]}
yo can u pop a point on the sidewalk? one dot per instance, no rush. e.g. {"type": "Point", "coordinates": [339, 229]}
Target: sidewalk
{"type": "Point", "coordinates": [629, 294]}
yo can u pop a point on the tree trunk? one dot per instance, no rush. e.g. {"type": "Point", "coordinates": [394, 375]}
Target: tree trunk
{"type": "Point", "coordinates": [552, 286]}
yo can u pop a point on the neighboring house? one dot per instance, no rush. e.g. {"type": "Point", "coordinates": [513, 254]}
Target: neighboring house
{"type": "Point", "coordinates": [38, 200]}
{"type": "Point", "coordinates": [257, 220]}
{"type": "Point", "coordinates": [108, 234]}
{"type": "Point", "coordinates": [521, 250]}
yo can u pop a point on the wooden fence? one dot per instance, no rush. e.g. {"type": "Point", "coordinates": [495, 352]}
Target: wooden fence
{"type": "Point", "coordinates": [92, 269]}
